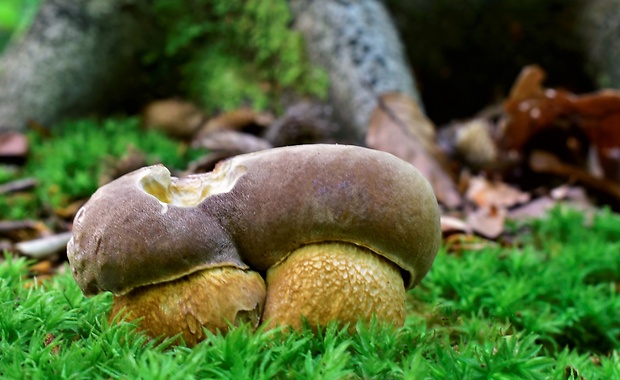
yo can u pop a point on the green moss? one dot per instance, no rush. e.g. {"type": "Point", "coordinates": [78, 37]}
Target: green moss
{"type": "Point", "coordinates": [237, 52]}
{"type": "Point", "coordinates": [15, 18]}
{"type": "Point", "coordinates": [543, 310]}
{"type": "Point", "coordinates": [68, 165]}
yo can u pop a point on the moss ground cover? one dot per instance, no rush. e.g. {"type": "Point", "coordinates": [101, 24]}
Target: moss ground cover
{"type": "Point", "coordinates": [234, 52]}
{"type": "Point", "coordinates": [548, 309]}
{"type": "Point", "coordinates": [68, 164]}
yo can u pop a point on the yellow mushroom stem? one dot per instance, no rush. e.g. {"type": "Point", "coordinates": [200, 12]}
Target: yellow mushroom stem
{"type": "Point", "coordinates": [334, 281]}
{"type": "Point", "coordinates": [211, 298]}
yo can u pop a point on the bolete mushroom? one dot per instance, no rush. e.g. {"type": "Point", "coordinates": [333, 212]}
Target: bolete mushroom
{"type": "Point", "coordinates": [340, 231]}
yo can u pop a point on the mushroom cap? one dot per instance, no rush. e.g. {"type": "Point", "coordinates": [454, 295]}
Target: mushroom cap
{"type": "Point", "coordinates": [298, 195]}
{"type": "Point", "coordinates": [124, 237]}
{"type": "Point", "coordinates": [146, 227]}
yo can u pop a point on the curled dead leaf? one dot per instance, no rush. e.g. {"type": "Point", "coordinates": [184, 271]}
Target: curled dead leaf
{"type": "Point", "coordinates": [531, 108]}
{"type": "Point", "coordinates": [238, 120]}
{"type": "Point", "coordinates": [232, 141]}
{"type": "Point", "coordinates": [223, 144]}
{"type": "Point", "coordinates": [306, 122]}
{"type": "Point", "coordinates": [488, 221]}
{"type": "Point", "coordinates": [18, 185]}
{"type": "Point", "coordinates": [115, 167]}
{"type": "Point", "coordinates": [44, 267]}
{"type": "Point", "coordinates": [399, 126]}
{"type": "Point", "coordinates": [173, 117]}
{"type": "Point", "coordinates": [44, 247]}
{"type": "Point", "coordinates": [13, 146]}
{"type": "Point", "coordinates": [457, 244]}
{"type": "Point", "coordinates": [485, 193]}
{"type": "Point", "coordinates": [543, 162]}
{"type": "Point", "coordinates": [19, 230]}
{"type": "Point", "coordinates": [451, 224]}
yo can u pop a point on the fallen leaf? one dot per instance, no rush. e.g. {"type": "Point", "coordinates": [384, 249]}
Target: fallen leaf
{"type": "Point", "coordinates": [19, 230]}
{"type": "Point", "coordinates": [18, 185]}
{"type": "Point", "coordinates": [543, 162]}
{"type": "Point", "coordinates": [133, 159]}
{"type": "Point", "coordinates": [398, 126]}
{"type": "Point", "coordinates": [534, 209]}
{"type": "Point", "coordinates": [13, 147]}
{"type": "Point", "coordinates": [41, 268]}
{"type": "Point", "coordinates": [458, 243]}
{"type": "Point", "coordinates": [451, 224]}
{"type": "Point", "coordinates": [69, 211]}
{"type": "Point", "coordinates": [49, 339]}
{"type": "Point", "coordinates": [44, 247]}
{"type": "Point", "coordinates": [488, 221]}
{"type": "Point", "coordinates": [224, 144]}
{"type": "Point", "coordinates": [485, 193]}
{"type": "Point", "coordinates": [174, 117]}
{"type": "Point", "coordinates": [306, 122]}
{"type": "Point", "coordinates": [531, 109]}
{"type": "Point", "coordinates": [37, 281]}
{"type": "Point", "coordinates": [232, 141]}
{"type": "Point", "coordinates": [242, 119]}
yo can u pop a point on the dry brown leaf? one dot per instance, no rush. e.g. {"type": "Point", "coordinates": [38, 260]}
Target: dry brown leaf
{"type": "Point", "coordinates": [69, 211]}
{"type": "Point", "coordinates": [488, 221]}
{"type": "Point", "coordinates": [44, 247]}
{"type": "Point", "coordinates": [534, 209]}
{"type": "Point", "coordinates": [485, 193]}
{"type": "Point", "coordinates": [305, 122]}
{"type": "Point", "coordinates": [18, 185]}
{"type": "Point", "coordinates": [19, 230]}
{"type": "Point", "coordinates": [237, 120]}
{"type": "Point", "coordinates": [528, 84]}
{"type": "Point", "coordinates": [573, 196]}
{"type": "Point", "coordinates": [451, 224]}
{"type": "Point", "coordinates": [116, 167]}
{"type": "Point", "coordinates": [174, 117]}
{"type": "Point", "coordinates": [458, 243]}
{"type": "Point", "coordinates": [232, 141]}
{"type": "Point", "coordinates": [42, 268]}
{"type": "Point", "coordinates": [398, 126]}
{"type": "Point", "coordinates": [37, 281]}
{"type": "Point", "coordinates": [543, 162]}
{"type": "Point", "coordinates": [531, 108]}
{"type": "Point", "coordinates": [224, 144]}
{"type": "Point", "coordinates": [49, 339]}
{"type": "Point", "coordinates": [13, 146]}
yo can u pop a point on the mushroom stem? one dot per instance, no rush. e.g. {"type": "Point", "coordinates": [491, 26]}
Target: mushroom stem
{"type": "Point", "coordinates": [334, 281]}
{"type": "Point", "coordinates": [213, 299]}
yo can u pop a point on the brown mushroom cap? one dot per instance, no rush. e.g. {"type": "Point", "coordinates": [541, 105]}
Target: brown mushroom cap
{"type": "Point", "coordinates": [124, 238]}
{"type": "Point", "coordinates": [146, 228]}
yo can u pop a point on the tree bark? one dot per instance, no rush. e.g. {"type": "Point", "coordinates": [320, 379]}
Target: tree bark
{"type": "Point", "coordinates": [358, 46]}
{"type": "Point", "coordinates": [79, 56]}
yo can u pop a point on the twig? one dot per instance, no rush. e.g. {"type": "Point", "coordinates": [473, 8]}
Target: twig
{"type": "Point", "coordinates": [18, 185]}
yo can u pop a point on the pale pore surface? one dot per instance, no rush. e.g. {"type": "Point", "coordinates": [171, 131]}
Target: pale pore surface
{"type": "Point", "coordinates": [334, 281]}
{"type": "Point", "coordinates": [191, 190]}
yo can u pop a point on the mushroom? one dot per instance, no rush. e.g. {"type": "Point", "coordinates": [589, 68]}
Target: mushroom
{"type": "Point", "coordinates": [340, 232]}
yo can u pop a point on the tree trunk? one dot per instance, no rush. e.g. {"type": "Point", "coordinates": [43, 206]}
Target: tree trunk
{"type": "Point", "coordinates": [79, 56]}
{"type": "Point", "coordinates": [356, 43]}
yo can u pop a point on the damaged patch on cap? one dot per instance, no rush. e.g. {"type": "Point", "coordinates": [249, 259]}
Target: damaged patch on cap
{"type": "Point", "coordinates": [191, 190]}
